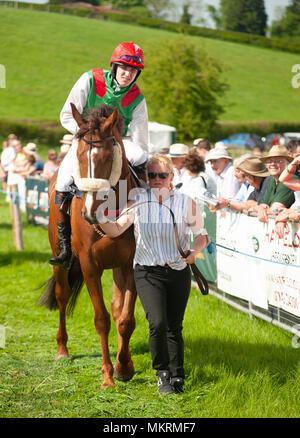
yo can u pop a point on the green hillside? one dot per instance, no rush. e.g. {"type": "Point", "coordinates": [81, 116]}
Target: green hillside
{"type": "Point", "coordinates": [44, 53]}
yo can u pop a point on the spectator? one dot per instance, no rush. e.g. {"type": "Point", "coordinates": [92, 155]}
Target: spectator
{"type": "Point", "coordinates": [199, 178]}
{"type": "Point", "coordinates": [277, 196]}
{"type": "Point", "coordinates": [63, 152]}
{"type": "Point", "coordinates": [31, 149]}
{"type": "Point", "coordinates": [238, 201]}
{"type": "Point", "coordinates": [258, 176]}
{"type": "Point", "coordinates": [66, 143]}
{"type": "Point", "coordinates": [51, 164]}
{"type": "Point", "coordinates": [221, 163]}
{"type": "Point", "coordinates": [11, 139]}
{"type": "Point", "coordinates": [290, 180]}
{"type": "Point", "coordinates": [162, 276]}
{"type": "Point", "coordinates": [7, 156]}
{"type": "Point", "coordinates": [29, 167]}
{"type": "Point", "coordinates": [202, 148]}
{"type": "Point", "coordinates": [177, 153]}
{"type": "Point", "coordinates": [257, 150]}
{"type": "Point", "coordinates": [14, 174]}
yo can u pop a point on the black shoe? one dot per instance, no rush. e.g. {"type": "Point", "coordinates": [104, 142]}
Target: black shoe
{"type": "Point", "coordinates": [177, 383]}
{"type": "Point", "coordinates": [63, 260]}
{"type": "Point", "coordinates": [164, 386]}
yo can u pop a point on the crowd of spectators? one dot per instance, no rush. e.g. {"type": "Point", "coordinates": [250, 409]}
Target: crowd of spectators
{"type": "Point", "coordinates": [19, 162]}
{"type": "Point", "coordinates": [265, 183]}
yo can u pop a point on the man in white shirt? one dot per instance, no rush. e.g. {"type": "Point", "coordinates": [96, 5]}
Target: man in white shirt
{"type": "Point", "coordinates": [221, 163]}
{"type": "Point", "coordinates": [177, 153]}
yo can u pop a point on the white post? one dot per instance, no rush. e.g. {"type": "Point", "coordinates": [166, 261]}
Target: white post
{"type": "Point", "coordinates": [16, 216]}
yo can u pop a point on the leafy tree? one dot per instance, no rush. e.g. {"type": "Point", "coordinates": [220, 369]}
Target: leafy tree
{"type": "Point", "coordinates": [247, 16]}
{"type": "Point", "coordinates": [288, 26]}
{"type": "Point", "coordinates": [182, 84]}
{"type": "Point", "coordinates": [186, 16]}
{"type": "Point", "coordinates": [215, 15]}
{"type": "Point", "coordinates": [157, 7]}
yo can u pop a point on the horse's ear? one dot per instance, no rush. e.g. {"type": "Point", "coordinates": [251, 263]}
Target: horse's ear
{"type": "Point", "coordinates": [115, 116]}
{"type": "Point", "coordinates": [77, 116]}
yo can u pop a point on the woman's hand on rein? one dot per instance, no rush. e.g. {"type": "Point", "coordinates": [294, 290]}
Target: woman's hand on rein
{"type": "Point", "coordinates": [191, 258]}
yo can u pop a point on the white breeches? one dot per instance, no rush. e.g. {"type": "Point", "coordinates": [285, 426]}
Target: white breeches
{"type": "Point", "coordinates": [134, 153]}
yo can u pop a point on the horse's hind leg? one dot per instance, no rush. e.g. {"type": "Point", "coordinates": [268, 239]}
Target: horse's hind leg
{"type": "Point", "coordinates": [62, 293]}
{"type": "Point", "coordinates": [123, 304]}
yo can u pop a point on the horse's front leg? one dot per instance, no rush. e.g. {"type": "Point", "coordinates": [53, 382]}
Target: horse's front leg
{"type": "Point", "coordinates": [92, 278]}
{"type": "Point", "coordinates": [123, 304]}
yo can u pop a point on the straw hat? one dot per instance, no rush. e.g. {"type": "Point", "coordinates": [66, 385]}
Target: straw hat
{"type": "Point", "coordinates": [216, 153]}
{"type": "Point", "coordinates": [178, 150]}
{"type": "Point", "coordinates": [253, 166]}
{"type": "Point", "coordinates": [277, 151]}
{"type": "Point", "coordinates": [67, 139]}
{"type": "Point", "coordinates": [30, 147]}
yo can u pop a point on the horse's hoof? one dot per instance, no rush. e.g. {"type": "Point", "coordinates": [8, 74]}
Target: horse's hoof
{"type": "Point", "coordinates": [62, 356]}
{"type": "Point", "coordinates": [124, 377]}
{"type": "Point", "coordinates": [106, 386]}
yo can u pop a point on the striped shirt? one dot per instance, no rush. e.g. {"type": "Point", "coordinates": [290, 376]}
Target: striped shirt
{"type": "Point", "coordinates": [154, 229]}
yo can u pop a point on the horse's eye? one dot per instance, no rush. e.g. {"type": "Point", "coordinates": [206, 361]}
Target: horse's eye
{"type": "Point", "coordinates": [105, 197]}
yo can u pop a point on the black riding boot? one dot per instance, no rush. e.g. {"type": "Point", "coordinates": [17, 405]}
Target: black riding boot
{"type": "Point", "coordinates": [63, 260]}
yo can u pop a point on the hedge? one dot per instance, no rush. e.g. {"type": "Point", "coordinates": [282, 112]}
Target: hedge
{"type": "Point", "coordinates": [226, 35]}
{"type": "Point", "coordinates": [50, 132]}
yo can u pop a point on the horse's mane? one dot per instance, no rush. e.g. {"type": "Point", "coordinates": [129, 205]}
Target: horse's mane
{"type": "Point", "coordinates": [95, 116]}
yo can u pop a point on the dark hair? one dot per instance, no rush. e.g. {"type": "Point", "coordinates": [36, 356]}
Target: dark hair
{"type": "Point", "coordinates": [203, 144]}
{"type": "Point", "coordinates": [97, 115]}
{"type": "Point", "coordinates": [194, 164]}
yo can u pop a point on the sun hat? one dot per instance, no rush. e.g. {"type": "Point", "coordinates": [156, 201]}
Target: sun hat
{"type": "Point", "coordinates": [253, 166]}
{"type": "Point", "coordinates": [216, 153]}
{"type": "Point", "coordinates": [197, 140]}
{"type": "Point", "coordinates": [178, 150]}
{"type": "Point", "coordinates": [30, 147]}
{"type": "Point", "coordinates": [67, 139]}
{"type": "Point", "coordinates": [277, 151]}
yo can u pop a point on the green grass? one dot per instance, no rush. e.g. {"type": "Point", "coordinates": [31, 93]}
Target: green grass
{"type": "Point", "coordinates": [45, 53]}
{"type": "Point", "coordinates": [236, 367]}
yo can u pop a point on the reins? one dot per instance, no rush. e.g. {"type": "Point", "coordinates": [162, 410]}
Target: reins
{"type": "Point", "coordinates": [200, 279]}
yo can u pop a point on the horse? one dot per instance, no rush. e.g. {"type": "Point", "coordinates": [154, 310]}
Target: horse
{"type": "Point", "coordinates": [101, 166]}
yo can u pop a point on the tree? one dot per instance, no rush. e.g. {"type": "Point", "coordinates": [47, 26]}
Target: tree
{"type": "Point", "coordinates": [247, 16]}
{"type": "Point", "coordinates": [186, 16]}
{"type": "Point", "coordinates": [182, 84]}
{"type": "Point", "coordinates": [288, 26]}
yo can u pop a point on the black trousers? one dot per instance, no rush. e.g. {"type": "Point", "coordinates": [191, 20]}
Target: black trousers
{"type": "Point", "coordinates": [164, 294]}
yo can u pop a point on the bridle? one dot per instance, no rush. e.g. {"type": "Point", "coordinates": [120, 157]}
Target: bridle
{"type": "Point", "coordinates": [97, 144]}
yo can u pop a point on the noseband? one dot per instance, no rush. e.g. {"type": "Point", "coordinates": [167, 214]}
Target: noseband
{"type": "Point", "coordinates": [98, 184]}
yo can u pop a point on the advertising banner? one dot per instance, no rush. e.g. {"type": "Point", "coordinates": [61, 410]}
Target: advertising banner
{"type": "Point", "coordinates": [254, 264]}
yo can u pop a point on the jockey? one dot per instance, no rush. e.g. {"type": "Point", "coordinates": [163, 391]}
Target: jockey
{"type": "Point", "coordinates": [115, 87]}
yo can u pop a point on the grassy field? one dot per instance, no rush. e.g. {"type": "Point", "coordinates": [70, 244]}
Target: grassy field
{"type": "Point", "coordinates": [45, 53]}
{"type": "Point", "coordinates": [236, 367]}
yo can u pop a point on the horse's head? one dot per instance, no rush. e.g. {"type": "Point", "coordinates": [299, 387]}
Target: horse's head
{"type": "Point", "coordinates": [101, 160]}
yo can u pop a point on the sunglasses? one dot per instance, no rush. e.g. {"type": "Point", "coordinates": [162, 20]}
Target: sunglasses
{"type": "Point", "coordinates": [279, 161]}
{"type": "Point", "coordinates": [161, 175]}
{"type": "Point", "coordinates": [128, 58]}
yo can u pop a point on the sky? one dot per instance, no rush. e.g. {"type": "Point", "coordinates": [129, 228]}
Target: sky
{"type": "Point", "coordinates": [270, 5]}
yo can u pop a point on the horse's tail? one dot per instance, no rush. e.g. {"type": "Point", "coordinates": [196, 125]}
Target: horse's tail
{"type": "Point", "coordinates": [75, 278]}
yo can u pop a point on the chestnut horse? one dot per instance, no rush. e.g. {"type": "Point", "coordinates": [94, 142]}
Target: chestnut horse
{"type": "Point", "coordinates": [101, 166]}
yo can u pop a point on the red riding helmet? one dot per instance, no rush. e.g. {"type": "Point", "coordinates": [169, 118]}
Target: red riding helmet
{"type": "Point", "coordinates": [129, 54]}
